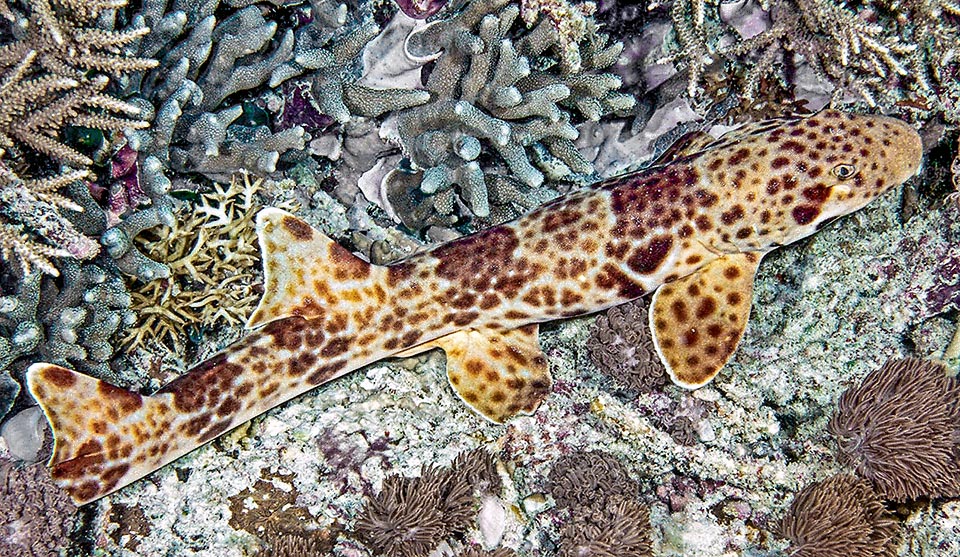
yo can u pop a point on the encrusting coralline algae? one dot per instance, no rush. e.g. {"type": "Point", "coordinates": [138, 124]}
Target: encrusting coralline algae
{"type": "Point", "coordinates": [717, 468]}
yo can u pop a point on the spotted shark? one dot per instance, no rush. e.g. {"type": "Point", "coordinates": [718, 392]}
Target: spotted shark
{"type": "Point", "coordinates": [692, 231]}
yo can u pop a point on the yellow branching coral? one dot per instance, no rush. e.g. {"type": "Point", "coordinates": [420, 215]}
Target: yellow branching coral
{"type": "Point", "coordinates": [213, 258]}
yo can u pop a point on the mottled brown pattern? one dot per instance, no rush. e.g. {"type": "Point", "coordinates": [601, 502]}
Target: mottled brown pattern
{"type": "Point", "coordinates": [693, 230]}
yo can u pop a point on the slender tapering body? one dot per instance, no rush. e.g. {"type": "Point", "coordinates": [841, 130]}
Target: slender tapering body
{"type": "Point", "coordinates": [692, 230]}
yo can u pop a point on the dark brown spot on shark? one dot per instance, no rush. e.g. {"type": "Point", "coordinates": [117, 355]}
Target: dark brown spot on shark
{"type": "Point", "coordinates": [297, 228]}
{"type": "Point", "coordinates": [804, 214]}
{"type": "Point", "coordinates": [647, 259]}
{"type": "Point", "coordinates": [706, 307]}
{"type": "Point", "coordinates": [732, 215]}
{"type": "Point", "coordinates": [739, 156]}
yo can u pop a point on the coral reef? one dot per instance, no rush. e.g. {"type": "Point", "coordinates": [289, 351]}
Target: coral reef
{"type": "Point", "coordinates": [899, 429]}
{"type": "Point", "coordinates": [499, 126]}
{"type": "Point", "coordinates": [56, 65]}
{"type": "Point", "coordinates": [606, 519]}
{"type": "Point", "coordinates": [840, 46]}
{"type": "Point", "coordinates": [579, 479]}
{"type": "Point", "coordinates": [840, 517]}
{"type": "Point", "coordinates": [614, 527]}
{"type": "Point", "coordinates": [412, 516]}
{"type": "Point", "coordinates": [620, 346]}
{"type": "Point", "coordinates": [36, 516]}
{"type": "Point", "coordinates": [207, 62]}
{"type": "Point", "coordinates": [212, 254]}
{"type": "Point", "coordinates": [70, 322]}
{"type": "Point", "coordinates": [269, 510]}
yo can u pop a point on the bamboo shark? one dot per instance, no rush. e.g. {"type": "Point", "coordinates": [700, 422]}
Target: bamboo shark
{"type": "Point", "coordinates": [692, 231]}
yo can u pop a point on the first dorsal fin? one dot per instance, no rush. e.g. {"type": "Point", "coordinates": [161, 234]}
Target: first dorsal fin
{"type": "Point", "coordinates": [498, 374]}
{"type": "Point", "coordinates": [304, 270]}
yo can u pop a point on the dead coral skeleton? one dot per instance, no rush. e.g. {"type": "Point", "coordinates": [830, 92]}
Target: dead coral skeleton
{"type": "Point", "coordinates": [840, 517]}
{"type": "Point", "coordinates": [900, 430]}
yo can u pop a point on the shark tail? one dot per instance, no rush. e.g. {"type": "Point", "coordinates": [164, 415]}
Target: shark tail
{"type": "Point", "coordinates": [100, 431]}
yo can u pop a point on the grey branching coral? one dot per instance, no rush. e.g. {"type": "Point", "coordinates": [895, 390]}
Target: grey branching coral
{"type": "Point", "coordinates": [615, 527]}
{"type": "Point", "coordinates": [621, 347]}
{"type": "Point", "coordinates": [205, 62]}
{"type": "Point", "coordinates": [840, 517]}
{"type": "Point", "coordinates": [36, 516]}
{"type": "Point", "coordinates": [55, 67]}
{"type": "Point", "coordinates": [900, 430]}
{"type": "Point", "coordinates": [70, 324]}
{"type": "Point", "coordinates": [499, 126]}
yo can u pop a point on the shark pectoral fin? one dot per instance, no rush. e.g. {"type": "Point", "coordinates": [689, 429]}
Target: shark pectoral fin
{"type": "Point", "coordinates": [305, 271]}
{"type": "Point", "coordinates": [697, 321]}
{"type": "Point", "coordinates": [499, 375]}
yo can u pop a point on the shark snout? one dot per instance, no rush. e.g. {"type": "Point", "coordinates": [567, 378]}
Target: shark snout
{"type": "Point", "coordinates": [904, 149]}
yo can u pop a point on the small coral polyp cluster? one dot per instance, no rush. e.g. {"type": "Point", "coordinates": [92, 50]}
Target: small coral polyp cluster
{"type": "Point", "coordinates": [500, 123]}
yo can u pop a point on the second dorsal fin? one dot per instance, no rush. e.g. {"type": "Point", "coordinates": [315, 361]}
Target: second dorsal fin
{"type": "Point", "coordinates": [304, 270]}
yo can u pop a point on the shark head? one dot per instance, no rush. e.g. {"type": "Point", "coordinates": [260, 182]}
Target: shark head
{"type": "Point", "coordinates": [786, 180]}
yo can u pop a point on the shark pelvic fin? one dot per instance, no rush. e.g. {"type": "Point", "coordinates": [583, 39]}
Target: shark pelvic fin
{"type": "Point", "coordinates": [698, 321]}
{"type": "Point", "coordinates": [305, 272]}
{"type": "Point", "coordinates": [499, 375]}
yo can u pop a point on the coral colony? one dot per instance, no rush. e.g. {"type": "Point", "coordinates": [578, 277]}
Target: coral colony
{"type": "Point", "coordinates": [504, 180]}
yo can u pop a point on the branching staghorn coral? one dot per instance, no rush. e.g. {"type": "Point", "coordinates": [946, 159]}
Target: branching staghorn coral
{"type": "Point", "coordinates": [841, 46]}
{"type": "Point", "coordinates": [54, 76]}
{"type": "Point", "coordinates": [212, 254]}
{"type": "Point", "coordinates": [696, 34]}
{"type": "Point", "coordinates": [499, 127]}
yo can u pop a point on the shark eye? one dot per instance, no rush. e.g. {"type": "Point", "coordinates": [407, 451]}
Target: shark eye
{"type": "Point", "coordinates": [844, 171]}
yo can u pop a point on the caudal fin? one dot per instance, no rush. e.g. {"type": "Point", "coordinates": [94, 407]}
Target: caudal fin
{"type": "Point", "coordinates": [305, 272]}
{"type": "Point", "coordinates": [104, 437]}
